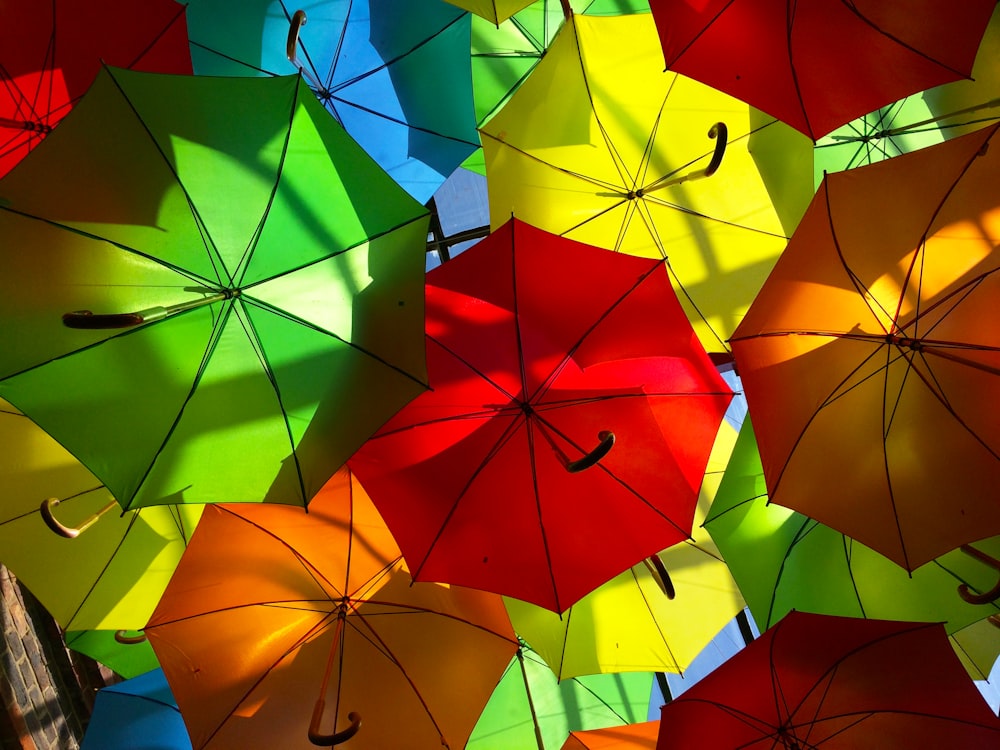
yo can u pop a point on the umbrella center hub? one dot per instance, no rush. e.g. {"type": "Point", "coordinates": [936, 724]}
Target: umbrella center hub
{"type": "Point", "coordinates": [904, 342]}
{"type": "Point", "coordinates": [633, 194]}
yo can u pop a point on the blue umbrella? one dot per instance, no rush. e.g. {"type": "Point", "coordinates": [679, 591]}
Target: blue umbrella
{"type": "Point", "coordinates": [137, 714]}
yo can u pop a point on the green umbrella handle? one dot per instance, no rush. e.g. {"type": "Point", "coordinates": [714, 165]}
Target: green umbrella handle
{"type": "Point", "coordinates": [329, 740]}
{"type": "Point", "coordinates": [129, 640]}
{"type": "Point", "coordinates": [659, 571]}
{"type": "Point", "coordinates": [70, 532]}
{"type": "Point", "coordinates": [963, 589]}
{"type": "Point", "coordinates": [607, 439]}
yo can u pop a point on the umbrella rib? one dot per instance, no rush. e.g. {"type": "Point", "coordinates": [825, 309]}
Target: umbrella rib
{"type": "Point", "coordinates": [404, 123]}
{"type": "Point", "coordinates": [652, 616]}
{"type": "Point", "coordinates": [805, 527]}
{"type": "Point", "coordinates": [213, 257]}
{"type": "Point", "coordinates": [158, 36]}
{"type": "Point", "coordinates": [230, 58]}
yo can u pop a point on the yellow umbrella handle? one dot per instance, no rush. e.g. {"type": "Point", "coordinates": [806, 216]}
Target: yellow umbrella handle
{"type": "Point", "coordinates": [607, 439]}
{"type": "Point", "coordinates": [659, 571]}
{"type": "Point", "coordinates": [963, 589]}
{"type": "Point", "coordinates": [129, 640]}
{"type": "Point", "coordinates": [329, 740]}
{"type": "Point", "coordinates": [70, 532]}
{"type": "Point", "coordinates": [720, 132]}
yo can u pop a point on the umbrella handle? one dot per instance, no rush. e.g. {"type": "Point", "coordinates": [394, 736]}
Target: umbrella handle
{"type": "Point", "coordinates": [329, 740]}
{"type": "Point", "coordinates": [85, 319]}
{"type": "Point", "coordinates": [70, 532]}
{"type": "Point", "coordinates": [129, 640]}
{"type": "Point", "coordinates": [292, 42]}
{"type": "Point", "coordinates": [659, 571]}
{"type": "Point", "coordinates": [720, 132]}
{"type": "Point", "coordinates": [607, 439]}
{"type": "Point", "coordinates": [988, 596]}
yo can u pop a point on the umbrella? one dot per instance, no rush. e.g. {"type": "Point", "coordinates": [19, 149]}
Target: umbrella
{"type": "Point", "coordinates": [819, 65]}
{"type": "Point", "coordinates": [137, 714]}
{"type": "Point", "coordinates": [394, 73]}
{"type": "Point", "coordinates": [202, 313]}
{"type": "Point", "coordinates": [834, 682]}
{"type": "Point", "coordinates": [51, 52]}
{"type": "Point", "coordinates": [656, 616]}
{"type": "Point", "coordinates": [600, 146]}
{"type": "Point", "coordinates": [978, 646]}
{"type": "Point", "coordinates": [271, 606]}
{"type": "Point", "coordinates": [783, 560]}
{"type": "Point", "coordinates": [640, 736]}
{"type": "Point", "coordinates": [566, 435]}
{"type": "Point", "coordinates": [868, 360]}
{"type": "Point", "coordinates": [111, 577]}
{"type": "Point", "coordinates": [531, 708]}
{"type": "Point", "coordinates": [123, 653]}
{"type": "Point", "coordinates": [494, 11]}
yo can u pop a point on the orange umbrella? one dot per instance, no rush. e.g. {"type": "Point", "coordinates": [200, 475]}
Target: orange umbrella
{"type": "Point", "coordinates": [274, 607]}
{"type": "Point", "coordinates": [629, 737]}
{"type": "Point", "coordinates": [870, 357]}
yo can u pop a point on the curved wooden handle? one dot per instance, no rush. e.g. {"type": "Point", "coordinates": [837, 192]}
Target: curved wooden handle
{"type": "Point", "coordinates": [292, 42]}
{"type": "Point", "coordinates": [129, 640]}
{"type": "Point", "coordinates": [329, 740]}
{"type": "Point", "coordinates": [659, 571]}
{"type": "Point", "coordinates": [720, 132]}
{"type": "Point", "coordinates": [963, 588]}
{"type": "Point", "coordinates": [70, 532]}
{"type": "Point", "coordinates": [607, 439]}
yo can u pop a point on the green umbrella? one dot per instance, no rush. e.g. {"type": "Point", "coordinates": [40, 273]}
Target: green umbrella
{"type": "Point", "coordinates": [129, 659]}
{"type": "Point", "coordinates": [531, 708]}
{"type": "Point", "coordinates": [783, 560]}
{"type": "Point", "coordinates": [208, 291]}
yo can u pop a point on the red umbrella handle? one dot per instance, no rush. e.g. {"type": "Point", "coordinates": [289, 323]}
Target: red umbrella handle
{"type": "Point", "coordinates": [988, 596]}
{"type": "Point", "coordinates": [70, 532]}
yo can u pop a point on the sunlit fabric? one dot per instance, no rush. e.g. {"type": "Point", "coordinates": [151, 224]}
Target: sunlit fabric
{"type": "Point", "coordinates": [269, 279]}
{"type": "Point", "coordinates": [870, 358]}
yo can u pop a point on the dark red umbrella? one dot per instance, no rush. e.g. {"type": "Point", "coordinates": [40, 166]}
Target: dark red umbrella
{"type": "Point", "coordinates": [820, 681]}
{"type": "Point", "coordinates": [569, 422]}
{"type": "Point", "coordinates": [817, 65]}
{"type": "Point", "coordinates": [51, 51]}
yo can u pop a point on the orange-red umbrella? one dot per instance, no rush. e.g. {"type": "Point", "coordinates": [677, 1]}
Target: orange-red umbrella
{"type": "Point", "coordinates": [870, 358]}
{"type": "Point", "coordinates": [283, 629]}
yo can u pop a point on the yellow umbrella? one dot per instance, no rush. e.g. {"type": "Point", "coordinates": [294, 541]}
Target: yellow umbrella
{"type": "Point", "coordinates": [600, 145]}
{"type": "Point", "coordinates": [978, 646]}
{"type": "Point", "coordinates": [109, 578]}
{"type": "Point", "coordinates": [630, 624]}
{"type": "Point", "coordinates": [496, 11]}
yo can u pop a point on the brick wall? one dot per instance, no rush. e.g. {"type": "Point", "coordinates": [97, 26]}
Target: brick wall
{"type": "Point", "coordinates": [46, 690]}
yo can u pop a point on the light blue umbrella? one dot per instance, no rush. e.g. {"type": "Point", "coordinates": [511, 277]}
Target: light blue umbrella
{"type": "Point", "coordinates": [137, 714]}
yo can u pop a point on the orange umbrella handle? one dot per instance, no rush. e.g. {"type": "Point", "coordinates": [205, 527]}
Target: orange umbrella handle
{"type": "Point", "coordinates": [60, 528]}
{"type": "Point", "coordinates": [607, 439]}
{"type": "Point", "coordinates": [963, 589]}
{"type": "Point", "coordinates": [129, 640]}
{"type": "Point", "coordinates": [329, 740]}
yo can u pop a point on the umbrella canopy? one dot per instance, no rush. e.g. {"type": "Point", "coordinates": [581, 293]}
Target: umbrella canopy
{"type": "Point", "coordinates": [110, 577]}
{"type": "Point", "coordinates": [50, 53]}
{"type": "Point", "coordinates": [834, 682]}
{"type": "Point", "coordinates": [869, 361]}
{"type": "Point", "coordinates": [206, 313]}
{"type": "Point", "coordinates": [640, 736]}
{"type": "Point", "coordinates": [640, 621]}
{"type": "Point", "coordinates": [492, 10]}
{"type": "Point", "coordinates": [819, 65]}
{"type": "Point", "coordinates": [531, 708]}
{"type": "Point", "coordinates": [125, 654]}
{"type": "Point", "coordinates": [394, 73]}
{"type": "Point", "coordinates": [272, 607]}
{"type": "Point", "coordinates": [566, 435]}
{"type": "Point", "coordinates": [978, 646]}
{"type": "Point", "coordinates": [600, 146]}
{"type": "Point", "coordinates": [137, 714]}
{"type": "Point", "coordinates": [783, 560]}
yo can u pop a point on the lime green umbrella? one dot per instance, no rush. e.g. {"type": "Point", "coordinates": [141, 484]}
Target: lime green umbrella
{"type": "Point", "coordinates": [783, 560]}
{"type": "Point", "coordinates": [531, 708]}
{"type": "Point", "coordinates": [130, 658]}
{"type": "Point", "coordinates": [978, 646]}
{"type": "Point", "coordinates": [208, 291]}
{"type": "Point", "coordinates": [109, 578]}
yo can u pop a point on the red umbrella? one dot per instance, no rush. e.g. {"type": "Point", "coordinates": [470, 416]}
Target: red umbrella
{"type": "Point", "coordinates": [820, 681]}
{"type": "Point", "coordinates": [817, 65]}
{"type": "Point", "coordinates": [540, 348]}
{"type": "Point", "coordinates": [51, 51]}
